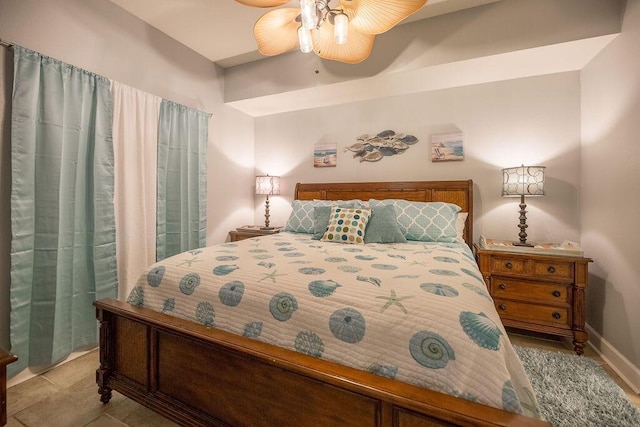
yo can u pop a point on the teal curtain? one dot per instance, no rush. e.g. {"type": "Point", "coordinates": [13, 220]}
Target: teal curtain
{"type": "Point", "coordinates": [62, 215]}
{"type": "Point", "coordinates": [182, 179]}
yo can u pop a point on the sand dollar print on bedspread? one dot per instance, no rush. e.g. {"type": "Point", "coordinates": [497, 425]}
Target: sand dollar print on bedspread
{"type": "Point", "coordinates": [482, 330]}
{"type": "Point", "coordinates": [472, 274]}
{"type": "Point", "coordinates": [282, 306]}
{"type": "Point", "coordinates": [347, 325]}
{"type": "Point", "coordinates": [311, 270]}
{"type": "Point", "coordinates": [252, 329]}
{"type": "Point", "coordinates": [231, 293]}
{"type": "Point", "coordinates": [205, 313]}
{"type": "Point", "coordinates": [441, 272]}
{"type": "Point", "coordinates": [431, 350]}
{"type": "Point", "coordinates": [446, 259]}
{"type": "Point", "coordinates": [169, 305]}
{"type": "Point", "coordinates": [510, 401]}
{"type": "Point", "coordinates": [388, 371]}
{"type": "Point", "coordinates": [189, 283]}
{"type": "Point", "coordinates": [439, 289]}
{"type": "Point", "coordinates": [478, 290]}
{"type": "Point", "coordinates": [154, 277]}
{"type": "Point", "coordinates": [136, 296]}
{"type": "Point", "coordinates": [223, 258]}
{"type": "Point", "coordinates": [309, 343]}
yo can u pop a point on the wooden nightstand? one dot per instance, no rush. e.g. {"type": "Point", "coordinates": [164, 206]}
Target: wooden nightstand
{"type": "Point", "coordinates": [235, 235]}
{"type": "Point", "coordinates": [5, 359]}
{"type": "Point", "coordinates": [542, 293]}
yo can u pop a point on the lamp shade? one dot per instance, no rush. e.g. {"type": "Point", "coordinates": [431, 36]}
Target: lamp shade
{"type": "Point", "coordinates": [267, 185]}
{"type": "Point", "coordinates": [523, 180]}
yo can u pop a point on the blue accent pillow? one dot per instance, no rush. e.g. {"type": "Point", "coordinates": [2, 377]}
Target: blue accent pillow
{"type": "Point", "coordinates": [383, 226]}
{"type": "Point", "coordinates": [424, 221]}
{"type": "Point", "coordinates": [321, 216]}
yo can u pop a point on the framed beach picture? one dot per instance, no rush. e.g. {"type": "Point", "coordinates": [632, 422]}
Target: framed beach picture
{"type": "Point", "coordinates": [447, 147]}
{"type": "Point", "coordinates": [325, 155]}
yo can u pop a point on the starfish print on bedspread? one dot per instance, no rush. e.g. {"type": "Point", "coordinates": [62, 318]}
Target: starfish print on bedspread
{"type": "Point", "coordinates": [189, 262]}
{"type": "Point", "coordinates": [271, 276]}
{"type": "Point", "coordinates": [394, 300]}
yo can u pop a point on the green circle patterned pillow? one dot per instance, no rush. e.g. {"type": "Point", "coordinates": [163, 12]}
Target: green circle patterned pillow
{"type": "Point", "coordinates": [347, 225]}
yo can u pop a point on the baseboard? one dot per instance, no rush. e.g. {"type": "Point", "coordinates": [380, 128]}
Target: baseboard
{"type": "Point", "coordinates": [29, 373]}
{"type": "Point", "coordinates": [629, 373]}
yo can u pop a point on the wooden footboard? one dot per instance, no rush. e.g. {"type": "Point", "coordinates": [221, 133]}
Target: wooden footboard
{"type": "Point", "coordinates": [200, 376]}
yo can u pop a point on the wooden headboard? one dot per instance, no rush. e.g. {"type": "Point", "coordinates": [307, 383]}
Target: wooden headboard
{"type": "Point", "coordinates": [456, 192]}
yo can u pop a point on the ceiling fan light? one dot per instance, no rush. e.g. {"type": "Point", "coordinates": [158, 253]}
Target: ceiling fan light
{"type": "Point", "coordinates": [304, 37]}
{"type": "Point", "coordinates": [263, 3]}
{"type": "Point", "coordinates": [308, 13]}
{"type": "Point", "coordinates": [341, 28]}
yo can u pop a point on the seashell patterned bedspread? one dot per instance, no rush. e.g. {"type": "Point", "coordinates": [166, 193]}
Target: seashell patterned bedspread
{"type": "Point", "coordinates": [416, 312]}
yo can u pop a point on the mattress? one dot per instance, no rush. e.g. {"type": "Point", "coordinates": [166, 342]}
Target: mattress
{"type": "Point", "coordinates": [416, 312]}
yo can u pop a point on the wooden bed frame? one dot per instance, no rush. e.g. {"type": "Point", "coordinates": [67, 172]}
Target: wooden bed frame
{"type": "Point", "coordinates": [199, 376]}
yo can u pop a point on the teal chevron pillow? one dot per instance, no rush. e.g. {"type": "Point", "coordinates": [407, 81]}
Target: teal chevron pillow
{"type": "Point", "coordinates": [347, 225]}
{"type": "Point", "coordinates": [383, 226]}
{"type": "Point", "coordinates": [424, 221]}
{"type": "Point", "coordinates": [302, 220]}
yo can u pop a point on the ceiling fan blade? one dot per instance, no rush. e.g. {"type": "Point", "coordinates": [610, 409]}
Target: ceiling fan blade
{"type": "Point", "coordinates": [276, 31]}
{"type": "Point", "coordinates": [378, 16]}
{"type": "Point", "coordinates": [263, 3]}
{"type": "Point", "coordinates": [357, 48]}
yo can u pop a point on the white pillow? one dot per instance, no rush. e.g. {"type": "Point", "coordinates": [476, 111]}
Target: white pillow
{"type": "Point", "coordinates": [460, 223]}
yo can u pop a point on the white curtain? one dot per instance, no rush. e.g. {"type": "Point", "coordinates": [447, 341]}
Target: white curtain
{"type": "Point", "coordinates": [135, 142]}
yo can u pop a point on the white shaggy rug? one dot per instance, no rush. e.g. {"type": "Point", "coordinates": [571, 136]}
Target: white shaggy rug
{"type": "Point", "coordinates": [576, 391]}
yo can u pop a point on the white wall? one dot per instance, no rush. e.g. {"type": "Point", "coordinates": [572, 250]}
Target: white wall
{"type": "Point", "coordinates": [101, 37]}
{"type": "Point", "coordinates": [535, 121]}
{"type": "Point", "coordinates": [610, 200]}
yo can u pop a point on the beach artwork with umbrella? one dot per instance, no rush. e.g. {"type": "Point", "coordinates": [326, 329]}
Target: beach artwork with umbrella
{"type": "Point", "coordinates": [325, 155]}
{"type": "Point", "coordinates": [447, 147]}
{"type": "Point", "coordinates": [372, 148]}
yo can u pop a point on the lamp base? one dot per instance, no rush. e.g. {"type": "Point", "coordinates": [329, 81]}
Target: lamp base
{"type": "Point", "coordinates": [527, 244]}
{"type": "Point", "coordinates": [267, 228]}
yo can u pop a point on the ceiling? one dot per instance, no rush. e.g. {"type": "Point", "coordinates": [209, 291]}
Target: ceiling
{"type": "Point", "coordinates": [222, 30]}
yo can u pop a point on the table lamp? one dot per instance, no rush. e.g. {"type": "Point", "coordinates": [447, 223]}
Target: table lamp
{"type": "Point", "coordinates": [267, 185]}
{"type": "Point", "coordinates": [523, 181]}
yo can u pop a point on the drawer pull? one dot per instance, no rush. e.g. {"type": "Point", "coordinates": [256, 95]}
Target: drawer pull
{"type": "Point", "coordinates": [556, 315]}
{"type": "Point", "coordinates": [551, 269]}
{"type": "Point", "coordinates": [502, 286]}
{"type": "Point", "coordinates": [509, 265]}
{"type": "Point", "coordinates": [556, 293]}
{"type": "Point", "coordinates": [502, 307]}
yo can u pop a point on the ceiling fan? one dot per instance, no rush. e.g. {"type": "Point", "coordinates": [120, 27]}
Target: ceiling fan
{"type": "Point", "coordinates": [342, 33]}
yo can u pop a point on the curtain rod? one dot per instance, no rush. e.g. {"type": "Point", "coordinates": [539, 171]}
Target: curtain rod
{"type": "Point", "coordinates": [9, 45]}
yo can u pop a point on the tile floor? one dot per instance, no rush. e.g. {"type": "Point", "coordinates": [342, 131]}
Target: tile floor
{"type": "Point", "coordinates": [67, 395]}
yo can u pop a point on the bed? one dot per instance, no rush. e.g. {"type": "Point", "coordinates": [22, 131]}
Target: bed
{"type": "Point", "coordinates": [322, 373]}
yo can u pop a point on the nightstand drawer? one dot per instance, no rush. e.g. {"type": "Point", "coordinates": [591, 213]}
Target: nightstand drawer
{"type": "Point", "coordinates": [553, 270]}
{"type": "Point", "coordinates": [539, 292]}
{"type": "Point", "coordinates": [507, 265]}
{"type": "Point", "coordinates": [533, 313]}
{"type": "Point", "coordinates": [502, 287]}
